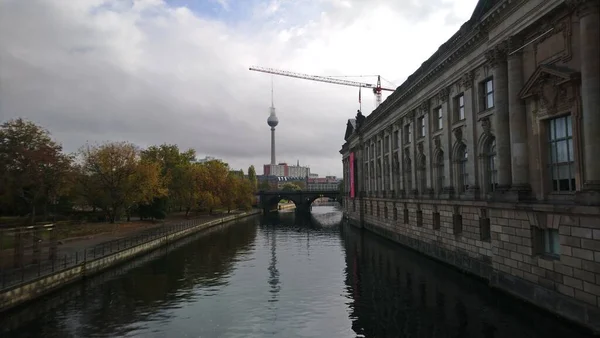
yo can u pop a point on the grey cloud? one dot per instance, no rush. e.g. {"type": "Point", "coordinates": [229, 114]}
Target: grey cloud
{"type": "Point", "coordinates": [91, 75]}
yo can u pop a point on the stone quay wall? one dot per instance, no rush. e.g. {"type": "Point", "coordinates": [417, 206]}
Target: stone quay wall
{"type": "Point", "coordinates": [36, 288]}
{"type": "Point", "coordinates": [495, 242]}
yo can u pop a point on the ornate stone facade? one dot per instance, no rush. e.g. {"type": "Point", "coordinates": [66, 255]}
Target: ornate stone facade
{"type": "Point", "coordinates": [505, 183]}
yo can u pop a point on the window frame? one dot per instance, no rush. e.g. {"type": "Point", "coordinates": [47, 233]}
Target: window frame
{"type": "Point", "coordinates": [460, 107]}
{"type": "Point", "coordinates": [553, 164]}
{"type": "Point", "coordinates": [488, 93]}
{"type": "Point", "coordinates": [440, 118]}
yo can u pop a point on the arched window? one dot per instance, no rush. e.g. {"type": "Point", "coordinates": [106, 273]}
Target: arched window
{"type": "Point", "coordinates": [492, 169]}
{"type": "Point", "coordinates": [461, 172]}
{"type": "Point", "coordinates": [439, 173]}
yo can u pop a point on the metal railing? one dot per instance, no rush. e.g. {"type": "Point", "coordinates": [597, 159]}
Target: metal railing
{"type": "Point", "coordinates": [39, 266]}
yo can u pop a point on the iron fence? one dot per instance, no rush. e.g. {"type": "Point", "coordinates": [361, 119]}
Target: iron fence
{"type": "Point", "coordinates": [45, 259]}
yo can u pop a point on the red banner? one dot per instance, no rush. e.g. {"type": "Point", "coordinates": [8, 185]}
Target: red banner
{"type": "Point", "coordinates": [351, 178]}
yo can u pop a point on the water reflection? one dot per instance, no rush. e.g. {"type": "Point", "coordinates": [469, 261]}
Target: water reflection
{"type": "Point", "coordinates": [398, 293]}
{"type": "Point", "coordinates": [284, 275]}
{"type": "Point", "coordinates": [124, 304]}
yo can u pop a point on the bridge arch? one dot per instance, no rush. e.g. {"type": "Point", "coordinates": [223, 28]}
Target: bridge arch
{"type": "Point", "coordinates": [301, 199]}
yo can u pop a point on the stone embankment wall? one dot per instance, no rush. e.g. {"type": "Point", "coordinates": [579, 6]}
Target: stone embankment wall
{"type": "Point", "coordinates": [501, 243]}
{"type": "Point", "coordinates": [45, 284]}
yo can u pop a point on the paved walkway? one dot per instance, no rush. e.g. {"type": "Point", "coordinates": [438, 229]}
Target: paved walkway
{"type": "Point", "coordinates": [70, 246]}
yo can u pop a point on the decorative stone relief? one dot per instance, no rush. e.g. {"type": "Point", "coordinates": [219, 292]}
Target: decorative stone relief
{"type": "Point", "coordinates": [409, 117]}
{"type": "Point", "coordinates": [424, 107]}
{"type": "Point", "coordinates": [458, 134]}
{"type": "Point", "coordinates": [467, 79]}
{"type": "Point", "coordinates": [486, 124]}
{"type": "Point", "coordinates": [437, 142]}
{"type": "Point", "coordinates": [443, 94]}
{"type": "Point", "coordinates": [420, 148]}
{"type": "Point", "coordinates": [496, 54]}
{"type": "Point", "coordinates": [552, 93]}
{"type": "Point", "coordinates": [558, 36]}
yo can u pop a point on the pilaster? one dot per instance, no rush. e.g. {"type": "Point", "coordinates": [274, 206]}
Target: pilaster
{"type": "Point", "coordinates": [498, 62]}
{"type": "Point", "coordinates": [521, 188]}
{"type": "Point", "coordinates": [589, 30]}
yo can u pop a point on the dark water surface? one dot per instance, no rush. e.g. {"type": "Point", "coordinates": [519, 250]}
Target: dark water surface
{"type": "Point", "coordinates": [282, 276]}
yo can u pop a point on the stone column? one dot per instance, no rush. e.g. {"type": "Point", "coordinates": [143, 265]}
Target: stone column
{"type": "Point", "coordinates": [400, 155]}
{"type": "Point", "coordinates": [497, 59]}
{"type": "Point", "coordinates": [413, 154]}
{"type": "Point", "coordinates": [445, 144]}
{"type": "Point", "coordinates": [470, 135]}
{"type": "Point", "coordinates": [517, 121]}
{"type": "Point", "coordinates": [589, 28]}
{"type": "Point", "coordinates": [391, 160]}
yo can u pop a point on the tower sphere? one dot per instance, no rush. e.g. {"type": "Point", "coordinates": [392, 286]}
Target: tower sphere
{"type": "Point", "coordinates": [272, 121]}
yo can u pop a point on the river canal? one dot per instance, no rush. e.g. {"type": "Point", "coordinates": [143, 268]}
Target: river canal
{"type": "Point", "coordinates": [282, 276]}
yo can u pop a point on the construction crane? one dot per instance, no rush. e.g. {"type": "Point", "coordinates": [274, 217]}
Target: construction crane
{"type": "Point", "coordinates": [376, 88]}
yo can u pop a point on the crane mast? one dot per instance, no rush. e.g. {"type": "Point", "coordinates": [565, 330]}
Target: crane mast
{"type": "Point", "coordinates": [376, 88]}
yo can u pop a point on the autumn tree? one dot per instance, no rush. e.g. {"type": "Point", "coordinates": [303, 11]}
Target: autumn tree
{"type": "Point", "coordinates": [33, 169]}
{"type": "Point", "coordinates": [173, 164]}
{"type": "Point", "coordinates": [290, 187]}
{"type": "Point", "coordinates": [117, 179]}
{"type": "Point", "coordinates": [252, 178]}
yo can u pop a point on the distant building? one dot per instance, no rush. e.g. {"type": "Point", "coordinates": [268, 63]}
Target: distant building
{"type": "Point", "coordinates": [208, 159]}
{"type": "Point", "coordinates": [298, 171]}
{"type": "Point", "coordinates": [277, 182]}
{"type": "Point", "coordinates": [285, 170]}
{"type": "Point", "coordinates": [322, 183]}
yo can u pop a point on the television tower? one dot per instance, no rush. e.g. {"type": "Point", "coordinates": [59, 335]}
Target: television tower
{"type": "Point", "coordinates": [272, 121]}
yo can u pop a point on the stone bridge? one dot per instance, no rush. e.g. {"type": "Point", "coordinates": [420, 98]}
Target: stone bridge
{"type": "Point", "coordinates": [301, 198]}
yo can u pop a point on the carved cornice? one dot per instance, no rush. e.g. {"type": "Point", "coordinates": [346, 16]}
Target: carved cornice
{"type": "Point", "coordinates": [497, 54]}
{"type": "Point", "coordinates": [583, 7]}
{"type": "Point", "coordinates": [470, 37]}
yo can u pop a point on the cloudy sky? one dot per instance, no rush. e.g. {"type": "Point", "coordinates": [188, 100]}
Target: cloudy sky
{"type": "Point", "coordinates": [176, 71]}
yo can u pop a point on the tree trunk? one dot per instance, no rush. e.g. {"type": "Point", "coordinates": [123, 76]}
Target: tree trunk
{"type": "Point", "coordinates": [45, 211]}
{"type": "Point", "coordinates": [32, 219]}
{"type": "Point", "coordinates": [187, 212]}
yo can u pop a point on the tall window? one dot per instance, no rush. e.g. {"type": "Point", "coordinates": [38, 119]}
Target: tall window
{"type": "Point", "coordinates": [440, 118]}
{"type": "Point", "coordinates": [561, 162]}
{"type": "Point", "coordinates": [440, 171]}
{"type": "Point", "coordinates": [460, 107]}
{"type": "Point", "coordinates": [492, 168]}
{"type": "Point", "coordinates": [422, 126]}
{"type": "Point", "coordinates": [463, 176]}
{"type": "Point", "coordinates": [378, 148]}
{"type": "Point", "coordinates": [396, 139]}
{"type": "Point", "coordinates": [407, 133]}
{"type": "Point", "coordinates": [489, 93]}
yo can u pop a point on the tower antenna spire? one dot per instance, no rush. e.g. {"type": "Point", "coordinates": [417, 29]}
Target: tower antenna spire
{"type": "Point", "coordinates": [272, 104]}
